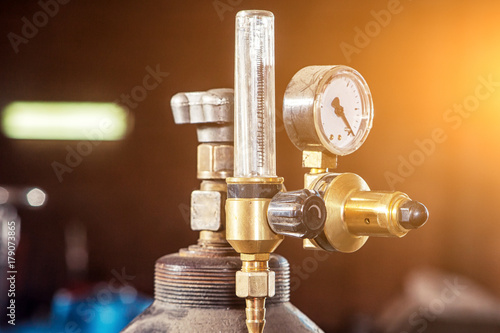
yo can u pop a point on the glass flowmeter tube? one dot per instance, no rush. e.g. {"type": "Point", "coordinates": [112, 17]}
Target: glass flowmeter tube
{"type": "Point", "coordinates": [254, 105]}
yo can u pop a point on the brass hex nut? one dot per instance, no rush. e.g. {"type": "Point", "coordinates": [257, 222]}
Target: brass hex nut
{"type": "Point", "coordinates": [255, 284]}
{"type": "Point", "coordinates": [215, 161]}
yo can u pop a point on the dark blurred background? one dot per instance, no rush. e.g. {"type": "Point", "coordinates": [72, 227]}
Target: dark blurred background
{"type": "Point", "coordinates": [131, 197]}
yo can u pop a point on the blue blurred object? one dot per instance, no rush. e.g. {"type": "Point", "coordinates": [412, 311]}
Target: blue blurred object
{"type": "Point", "coordinates": [105, 309]}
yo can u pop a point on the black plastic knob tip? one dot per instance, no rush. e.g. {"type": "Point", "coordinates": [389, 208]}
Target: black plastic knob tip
{"type": "Point", "coordinates": [412, 214]}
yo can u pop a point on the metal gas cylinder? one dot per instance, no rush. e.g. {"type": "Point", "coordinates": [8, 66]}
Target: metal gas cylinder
{"type": "Point", "coordinates": [195, 292]}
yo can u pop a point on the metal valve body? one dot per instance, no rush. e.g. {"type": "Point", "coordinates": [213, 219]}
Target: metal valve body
{"type": "Point", "coordinates": [195, 289]}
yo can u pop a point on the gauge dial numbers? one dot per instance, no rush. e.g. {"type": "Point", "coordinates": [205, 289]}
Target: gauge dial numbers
{"type": "Point", "coordinates": [343, 112]}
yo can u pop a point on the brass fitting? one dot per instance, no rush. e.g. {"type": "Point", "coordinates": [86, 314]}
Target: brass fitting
{"type": "Point", "coordinates": [255, 284]}
{"type": "Point", "coordinates": [247, 229]}
{"type": "Point", "coordinates": [215, 161]}
{"type": "Point", "coordinates": [256, 314]}
{"type": "Point", "coordinates": [318, 160]}
{"type": "Point", "coordinates": [372, 213]}
{"type": "Point", "coordinates": [354, 212]}
{"type": "Point", "coordinates": [335, 236]}
{"type": "Point", "coordinates": [248, 232]}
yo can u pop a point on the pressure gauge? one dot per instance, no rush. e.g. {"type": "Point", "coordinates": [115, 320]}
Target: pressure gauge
{"type": "Point", "coordinates": [328, 108]}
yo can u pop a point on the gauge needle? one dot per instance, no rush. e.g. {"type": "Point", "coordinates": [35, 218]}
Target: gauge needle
{"type": "Point", "coordinates": [339, 112]}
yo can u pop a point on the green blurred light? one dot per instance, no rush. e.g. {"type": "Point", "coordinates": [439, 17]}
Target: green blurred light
{"type": "Point", "coordinates": [64, 121]}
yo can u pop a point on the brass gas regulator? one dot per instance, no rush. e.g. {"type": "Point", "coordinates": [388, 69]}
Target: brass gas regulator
{"type": "Point", "coordinates": [328, 112]}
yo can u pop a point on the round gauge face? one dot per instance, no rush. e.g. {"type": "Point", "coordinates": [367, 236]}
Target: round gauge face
{"type": "Point", "coordinates": [343, 110]}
